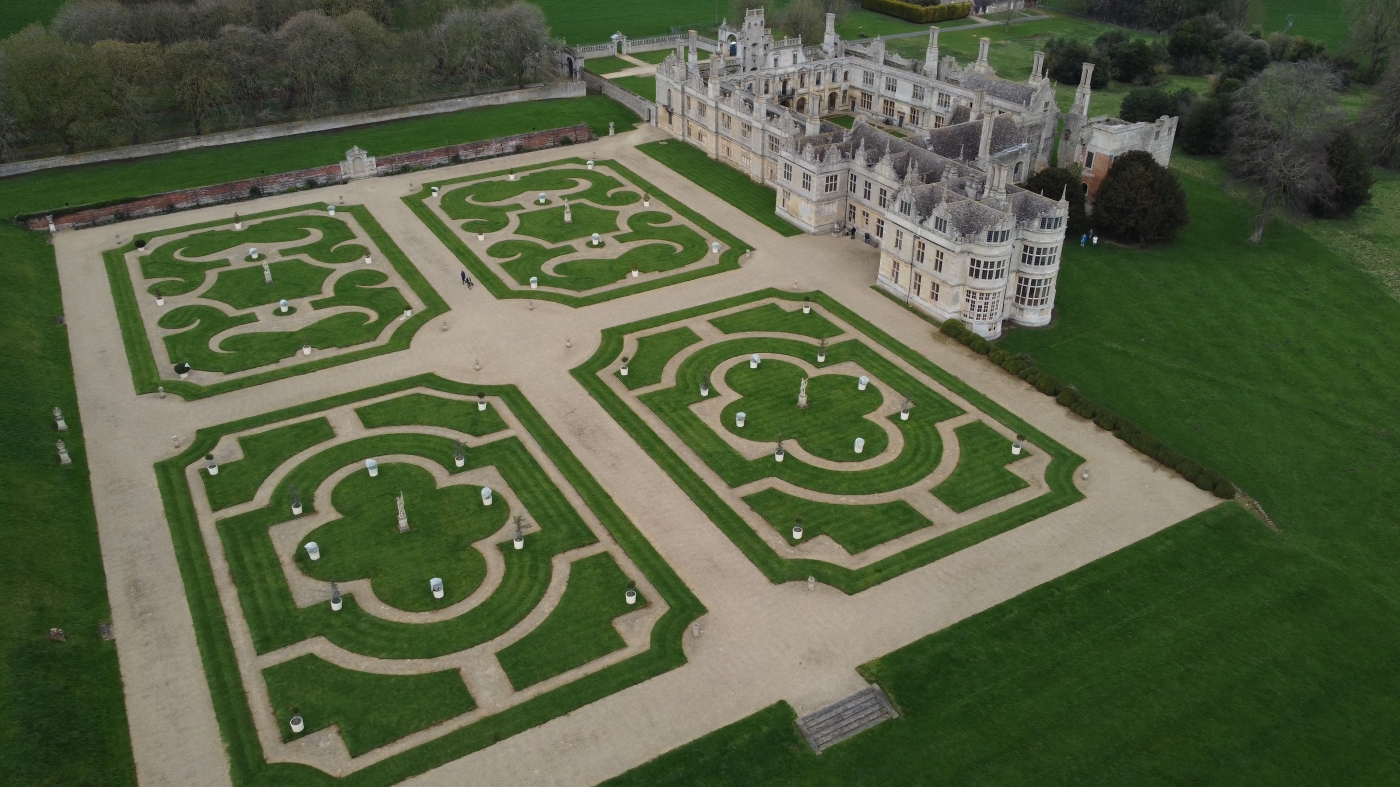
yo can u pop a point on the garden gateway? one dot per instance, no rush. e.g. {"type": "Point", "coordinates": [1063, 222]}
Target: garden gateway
{"type": "Point", "coordinates": [937, 191]}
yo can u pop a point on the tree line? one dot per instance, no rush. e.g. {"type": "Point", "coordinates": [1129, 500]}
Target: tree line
{"type": "Point", "coordinates": [105, 73]}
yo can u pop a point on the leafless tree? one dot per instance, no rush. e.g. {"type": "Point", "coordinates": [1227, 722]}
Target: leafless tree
{"type": "Point", "coordinates": [162, 22]}
{"type": "Point", "coordinates": [518, 42]}
{"type": "Point", "coordinates": [57, 88]}
{"type": "Point", "coordinates": [249, 59]}
{"type": "Point", "coordinates": [1281, 123]}
{"type": "Point", "coordinates": [136, 73]}
{"type": "Point", "coordinates": [1374, 34]}
{"type": "Point", "coordinates": [317, 55]}
{"type": "Point", "coordinates": [458, 46]}
{"type": "Point", "coordinates": [10, 132]}
{"type": "Point", "coordinates": [1381, 120]}
{"type": "Point", "coordinates": [376, 76]}
{"type": "Point", "coordinates": [197, 80]}
{"type": "Point", "coordinates": [91, 21]}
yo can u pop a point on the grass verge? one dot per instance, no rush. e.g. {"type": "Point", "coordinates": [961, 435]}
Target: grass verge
{"type": "Point", "coordinates": [725, 182]}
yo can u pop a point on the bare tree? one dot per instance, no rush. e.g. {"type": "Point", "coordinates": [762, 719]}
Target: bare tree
{"type": "Point", "coordinates": [1281, 123]}
{"type": "Point", "coordinates": [316, 56]}
{"type": "Point", "coordinates": [137, 73]}
{"type": "Point", "coordinates": [248, 59]}
{"type": "Point", "coordinates": [10, 133]}
{"type": "Point", "coordinates": [518, 42]}
{"type": "Point", "coordinates": [376, 76]}
{"type": "Point", "coordinates": [458, 46]}
{"type": "Point", "coordinates": [57, 89]}
{"type": "Point", "coordinates": [1374, 33]}
{"type": "Point", "coordinates": [197, 80]}
{"type": "Point", "coordinates": [1381, 120]}
{"type": "Point", "coordinates": [91, 21]}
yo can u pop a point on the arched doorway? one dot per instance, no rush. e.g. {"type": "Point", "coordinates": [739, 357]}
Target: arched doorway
{"type": "Point", "coordinates": [801, 105]}
{"type": "Point", "coordinates": [831, 102]}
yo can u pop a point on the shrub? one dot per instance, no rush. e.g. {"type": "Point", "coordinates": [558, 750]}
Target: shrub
{"type": "Point", "coordinates": [1224, 489]}
{"type": "Point", "coordinates": [1140, 201]}
{"type": "Point", "coordinates": [1067, 397]}
{"type": "Point", "coordinates": [1189, 469]}
{"type": "Point", "coordinates": [1049, 385]}
{"type": "Point", "coordinates": [1203, 130]}
{"type": "Point", "coordinates": [997, 355]}
{"type": "Point", "coordinates": [1168, 457]}
{"type": "Point", "coordinates": [952, 328]}
{"type": "Point", "coordinates": [979, 345]}
{"type": "Point", "coordinates": [1194, 44]}
{"type": "Point", "coordinates": [1064, 60]}
{"type": "Point", "coordinates": [1146, 104]}
{"type": "Point", "coordinates": [919, 14]}
{"type": "Point", "coordinates": [1207, 480]}
{"type": "Point", "coordinates": [1351, 170]}
{"type": "Point", "coordinates": [1106, 420]}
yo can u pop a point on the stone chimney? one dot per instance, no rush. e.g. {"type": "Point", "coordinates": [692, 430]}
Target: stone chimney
{"type": "Point", "coordinates": [984, 45]}
{"type": "Point", "coordinates": [693, 59]}
{"type": "Point", "coordinates": [1038, 68]}
{"type": "Point", "coordinates": [877, 51]}
{"type": "Point", "coordinates": [931, 54]}
{"type": "Point", "coordinates": [1082, 93]}
{"type": "Point", "coordinates": [830, 38]}
{"type": "Point", "coordinates": [979, 101]}
{"type": "Point", "coordinates": [984, 146]}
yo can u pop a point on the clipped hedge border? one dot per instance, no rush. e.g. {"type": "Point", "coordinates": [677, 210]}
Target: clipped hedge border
{"type": "Point", "coordinates": [921, 14]}
{"type": "Point", "coordinates": [1023, 367]}
{"type": "Point", "coordinates": [247, 765]}
{"type": "Point", "coordinates": [146, 376]}
{"type": "Point", "coordinates": [1059, 475]}
{"type": "Point", "coordinates": [728, 261]}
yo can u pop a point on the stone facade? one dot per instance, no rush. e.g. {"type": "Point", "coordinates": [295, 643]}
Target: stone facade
{"type": "Point", "coordinates": [928, 171]}
{"type": "Point", "coordinates": [1093, 143]}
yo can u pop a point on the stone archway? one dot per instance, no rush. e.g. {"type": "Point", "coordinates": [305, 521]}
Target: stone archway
{"type": "Point", "coordinates": [831, 102]}
{"type": "Point", "coordinates": [801, 105]}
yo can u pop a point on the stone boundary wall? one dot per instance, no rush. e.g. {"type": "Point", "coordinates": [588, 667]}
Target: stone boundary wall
{"type": "Point", "coordinates": [569, 89]}
{"type": "Point", "coordinates": [239, 190]}
{"type": "Point", "coordinates": [646, 110]}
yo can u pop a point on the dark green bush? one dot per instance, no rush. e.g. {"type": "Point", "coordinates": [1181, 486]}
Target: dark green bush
{"type": "Point", "coordinates": [1168, 457]}
{"type": "Point", "coordinates": [918, 14]}
{"type": "Point", "coordinates": [1067, 397]}
{"type": "Point", "coordinates": [1207, 480]}
{"type": "Point", "coordinates": [1106, 420]}
{"type": "Point", "coordinates": [953, 328]}
{"type": "Point", "coordinates": [1224, 489]}
{"type": "Point", "coordinates": [979, 345]}
{"type": "Point", "coordinates": [1189, 469]}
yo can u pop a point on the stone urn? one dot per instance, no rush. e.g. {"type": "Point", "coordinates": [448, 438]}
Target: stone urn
{"type": "Point", "coordinates": [282, 305]}
{"type": "Point", "coordinates": [534, 282]}
{"type": "Point", "coordinates": [860, 445]}
{"type": "Point", "coordinates": [753, 361]}
{"type": "Point", "coordinates": [714, 247]}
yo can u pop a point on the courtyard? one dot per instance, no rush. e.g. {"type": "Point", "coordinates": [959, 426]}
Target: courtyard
{"type": "Point", "coordinates": [661, 590]}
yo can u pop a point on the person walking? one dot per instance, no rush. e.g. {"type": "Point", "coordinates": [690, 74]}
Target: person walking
{"type": "Point", "coordinates": [1083, 239]}
{"type": "Point", "coordinates": [1096, 241]}
{"type": "Point", "coordinates": [464, 277]}
{"type": "Point", "coordinates": [469, 281]}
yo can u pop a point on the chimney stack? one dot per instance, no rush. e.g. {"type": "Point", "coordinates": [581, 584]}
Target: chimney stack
{"type": "Point", "coordinates": [931, 54]}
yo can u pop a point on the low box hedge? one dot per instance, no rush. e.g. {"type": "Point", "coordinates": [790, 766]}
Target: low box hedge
{"type": "Point", "coordinates": [917, 12]}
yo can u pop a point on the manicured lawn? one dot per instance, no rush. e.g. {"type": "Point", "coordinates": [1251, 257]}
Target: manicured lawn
{"type": "Point", "coordinates": [526, 259]}
{"type": "Point", "coordinates": [1215, 652]}
{"type": "Point", "coordinates": [723, 181]}
{"type": "Point", "coordinates": [364, 543]}
{"type": "Point", "coordinates": [245, 288]}
{"type": "Point", "coordinates": [548, 225]}
{"type": "Point", "coordinates": [1325, 20]}
{"type": "Point", "coordinates": [238, 481]}
{"type": "Point", "coordinates": [1373, 234]}
{"type": "Point", "coordinates": [836, 415]}
{"type": "Point", "coordinates": [642, 86]}
{"type": "Point", "coordinates": [607, 65]}
{"type": "Point", "coordinates": [62, 717]}
{"type": "Point", "coordinates": [856, 527]}
{"type": "Point", "coordinates": [370, 710]}
{"type": "Point", "coordinates": [859, 21]}
{"type": "Point", "coordinates": [579, 630]}
{"type": "Point", "coordinates": [844, 121]}
{"type": "Point", "coordinates": [653, 353]}
{"type": "Point", "coordinates": [186, 169]}
{"type": "Point", "coordinates": [593, 23]}
{"type": "Point", "coordinates": [981, 475]}
{"type": "Point", "coordinates": [772, 318]}
{"type": "Point", "coordinates": [427, 410]}
{"type": "Point", "coordinates": [654, 56]}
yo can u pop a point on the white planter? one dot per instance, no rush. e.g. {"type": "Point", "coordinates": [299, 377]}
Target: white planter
{"type": "Point", "coordinates": [306, 349]}
{"type": "Point", "coordinates": [739, 419]}
{"type": "Point", "coordinates": [238, 225]}
{"type": "Point", "coordinates": [646, 203]}
{"type": "Point", "coordinates": [282, 306]}
{"type": "Point", "coordinates": [904, 415]}
{"type": "Point", "coordinates": [481, 236]}
{"type": "Point", "coordinates": [160, 301]}
{"type": "Point", "coordinates": [796, 532]}
{"type": "Point", "coordinates": [1015, 449]}
{"type": "Point", "coordinates": [313, 550]}
{"type": "Point", "coordinates": [778, 455]}
{"type": "Point", "coordinates": [435, 584]}
{"type": "Point", "coordinates": [336, 603]}
{"type": "Point", "coordinates": [373, 467]}
{"type": "Point", "coordinates": [435, 191]}
{"type": "Point", "coordinates": [534, 282]}
{"type": "Point", "coordinates": [635, 273]}
{"type": "Point", "coordinates": [821, 357]}
{"type": "Point", "coordinates": [406, 314]}
{"type": "Point", "coordinates": [519, 542]}
{"type": "Point", "coordinates": [864, 381]}
{"type": "Point", "coordinates": [704, 389]}
{"type": "Point", "coordinates": [860, 445]}
{"type": "Point", "coordinates": [753, 361]}
{"type": "Point", "coordinates": [368, 261]}
{"type": "Point", "coordinates": [714, 247]}
{"type": "Point", "coordinates": [590, 163]}
{"type": "Point", "coordinates": [330, 209]}
{"type": "Point", "coordinates": [631, 596]}
{"type": "Point", "coordinates": [212, 468]}
{"type": "Point", "coordinates": [480, 405]}
{"type": "Point", "coordinates": [184, 375]}
{"type": "Point", "coordinates": [486, 495]}
{"type": "Point", "coordinates": [298, 724]}
{"type": "Point", "coordinates": [460, 460]}
{"type": "Point", "coordinates": [806, 308]}
{"type": "Point", "coordinates": [622, 371]}
{"type": "Point", "coordinates": [296, 509]}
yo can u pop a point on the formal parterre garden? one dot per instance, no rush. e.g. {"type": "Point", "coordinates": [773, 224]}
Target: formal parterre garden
{"type": "Point", "coordinates": [218, 306]}
{"type": "Point", "coordinates": [820, 445]}
{"type": "Point", "coordinates": [572, 231]}
{"type": "Point", "coordinates": [405, 561]}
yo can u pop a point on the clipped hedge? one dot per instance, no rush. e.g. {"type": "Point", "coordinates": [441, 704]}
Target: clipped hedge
{"type": "Point", "coordinates": [1203, 477]}
{"type": "Point", "coordinates": [918, 13]}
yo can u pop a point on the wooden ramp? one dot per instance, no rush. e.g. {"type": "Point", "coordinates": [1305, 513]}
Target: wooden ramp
{"type": "Point", "coordinates": [846, 717]}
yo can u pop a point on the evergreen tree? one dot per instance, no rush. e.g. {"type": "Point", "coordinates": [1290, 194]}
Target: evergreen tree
{"type": "Point", "coordinates": [1054, 181]}
{"type": "Point", "coordinates": [1352, 172]}
{"type": "Point", "coordinates": [1203, 130]}
{"type": "Point", "coordinates": [1140, 201]}
{"type": "Point", "coordinates": [1146, 104]}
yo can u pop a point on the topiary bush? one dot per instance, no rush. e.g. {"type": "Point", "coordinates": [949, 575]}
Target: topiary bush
{"type": "Point", "coordinates": [1189, 469]}
{"type": "Point", "coordinates": [1140, 201]}
{"type": "Point", "coordinates": [1224, 489]}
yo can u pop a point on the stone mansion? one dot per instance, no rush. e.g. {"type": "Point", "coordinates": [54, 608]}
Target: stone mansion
{"type": "Point", "coordinates": [938, 192]}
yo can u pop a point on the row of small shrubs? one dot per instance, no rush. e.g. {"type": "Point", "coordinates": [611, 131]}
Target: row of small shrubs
{"type": "Point", "coordinates": [918, 12]}
{"type": "Point", "coordinates": [1084, 407]}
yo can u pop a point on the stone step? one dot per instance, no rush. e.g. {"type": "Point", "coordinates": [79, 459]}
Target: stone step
{"type": "Point", "coordinates": [848, 716]}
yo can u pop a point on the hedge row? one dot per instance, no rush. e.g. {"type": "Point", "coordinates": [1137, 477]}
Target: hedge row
{"type": "Point", "coordinates": [917, 12]}
{"type": "Point", "coordinates": [1193, 471]}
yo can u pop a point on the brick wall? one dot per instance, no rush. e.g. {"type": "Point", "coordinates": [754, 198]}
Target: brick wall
{"type": "Point", "coordinates": [266, 185]}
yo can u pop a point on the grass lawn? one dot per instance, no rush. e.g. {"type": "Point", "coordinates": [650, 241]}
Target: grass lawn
{"type": "Point", "coordinates": [653, 353]}
{"type": "Point", "coordinates": [18, 14]}
{"type": "Point", "coordinates": [654, 56]}
{"type": "Point", "coordinates": [869, 24]}
{"type": "Point", "coordinates": [772, 318]}
{"type": "Point", "coordinates": [365, 542]}
{"type": "Point", "coordinates": [526, 259]}
{"type": "Point", "coordinates": [1325, 20]}
{"type": "Point", "coordinates": [725, 182]}
{"type": "Point", "coordinates": [607, 64]}
{"type": "Point", "coordinates": [244, 288]}
{"type": "Point", "coordinates": [238, 481]}
{"type": "Point", "coordinates": [855, 527]}
{"type": "Point", "coordinates": [593, 23]}
{"type": "Point", "coordinates": [579, 630]}
{"type": "Point", "coordinates": [186, 169]}
{"type": "Point", "coordinates": [844, 121]}
{"type": "Point", "coordinates": [427, 410]}
{"type": "Point", "coordinates": [1215, 652]}
{"type": "Point", "coordinates": [370, 710]}
{"type": "Point", "coordinates": [642, 86]}
{"type": "Point", "coordinates": [62, 717]}
{"type": "Point", "coordinates": [835, 417]}
{"type": "Point", "coordinates": [981, 475]}
{"type": "Point", "coordinates": [1374, 233]}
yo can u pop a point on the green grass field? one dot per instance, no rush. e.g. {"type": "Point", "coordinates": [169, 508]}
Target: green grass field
{"type": "Point", "coordinates": [725, 182]}
{"type": "Point", "coordinates": [855, 527]}
{"type": "Point", "coordinates": [17, 14]}
{"type": "Point", "coordinates": [186, 169]}
{"type": "Point", "coordinates": [654, 56]}
{"type": "Point", "coordinates": [642, 86]}
{"type": "Point", "coordinates": [238, 481]}
{"type": "Point", "coordinates": [981, 475]}
{"type": "Point", "coordinates": [772, 318]}
{"type": "Point", "coordinates": [607, 65]}
{"type": "Point", "coordinates": [653, 353]}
